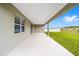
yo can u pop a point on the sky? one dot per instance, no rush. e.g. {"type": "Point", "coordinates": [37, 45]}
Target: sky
{"type": "Point", "coordinates": [70, 18]}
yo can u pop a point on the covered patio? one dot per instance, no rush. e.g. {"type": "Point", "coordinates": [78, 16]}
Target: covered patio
{"type": "Point", "coordinates": [39, 44]}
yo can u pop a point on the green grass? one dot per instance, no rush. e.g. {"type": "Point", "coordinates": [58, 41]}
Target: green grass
{"type": "Point", "coordinates": [68, 39]}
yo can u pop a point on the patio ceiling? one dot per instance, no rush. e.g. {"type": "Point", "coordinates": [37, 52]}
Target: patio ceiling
{"type": "Point", "coordinates": [39, 13]}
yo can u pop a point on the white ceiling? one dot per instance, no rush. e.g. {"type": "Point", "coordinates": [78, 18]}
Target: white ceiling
{"type": "Point", "coordinates": [39, 13]}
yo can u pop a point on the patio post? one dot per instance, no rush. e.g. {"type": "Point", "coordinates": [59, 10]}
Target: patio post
{"type": "Point", "coordinates": [48, 29]}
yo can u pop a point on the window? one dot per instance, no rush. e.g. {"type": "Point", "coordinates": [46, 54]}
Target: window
{"type": "Point", "coordinates": [19, 25]}
{"type": "Point", "coordinates": [22, 26]}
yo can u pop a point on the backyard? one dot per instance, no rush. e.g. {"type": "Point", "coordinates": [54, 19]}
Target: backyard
{"type": "Point", "coordinates": [68, 39]}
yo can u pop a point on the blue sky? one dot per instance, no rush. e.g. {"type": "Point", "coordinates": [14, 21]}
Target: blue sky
{"type": "Point", "coordinates": [70, 18]}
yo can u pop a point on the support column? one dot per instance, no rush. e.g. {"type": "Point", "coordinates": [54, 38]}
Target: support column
{"type": "Point", "coordinates": [48, 29]}
{"type": "Point", "coordinates": [31, 27]}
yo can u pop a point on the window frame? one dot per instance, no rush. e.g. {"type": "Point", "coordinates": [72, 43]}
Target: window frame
{"type": "Point", "coordinates": [21, 24]}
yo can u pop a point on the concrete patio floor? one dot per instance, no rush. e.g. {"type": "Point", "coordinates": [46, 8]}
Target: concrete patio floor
{"type": "Point", "coordinates": [39, 44]}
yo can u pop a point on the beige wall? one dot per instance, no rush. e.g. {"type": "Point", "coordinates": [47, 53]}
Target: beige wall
{"type": "Point", "coordinates": [8, 39]}
{"type": "Point", "coordinates": [38, 29]}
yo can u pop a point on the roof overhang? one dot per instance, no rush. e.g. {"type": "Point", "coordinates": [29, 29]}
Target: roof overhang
{"type": "Point", "coordinates": [40, 13]}
{"type": "Point", "coordinates": [63, 11]}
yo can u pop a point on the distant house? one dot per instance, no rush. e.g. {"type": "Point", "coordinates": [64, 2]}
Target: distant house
{"type": "Point", "coordinates": [53, 30]}
{"type": "Point", "coordinates": [71, 28]}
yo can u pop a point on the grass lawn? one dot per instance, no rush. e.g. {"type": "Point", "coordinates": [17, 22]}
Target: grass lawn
{"type": "Point", "coordinates": [68, 39]}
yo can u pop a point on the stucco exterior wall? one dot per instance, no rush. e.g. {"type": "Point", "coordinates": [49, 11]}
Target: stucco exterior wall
{"type": "Point", "coordinates": [38, 29]}
{"type": "Point", "coordinates": [8, 39]}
